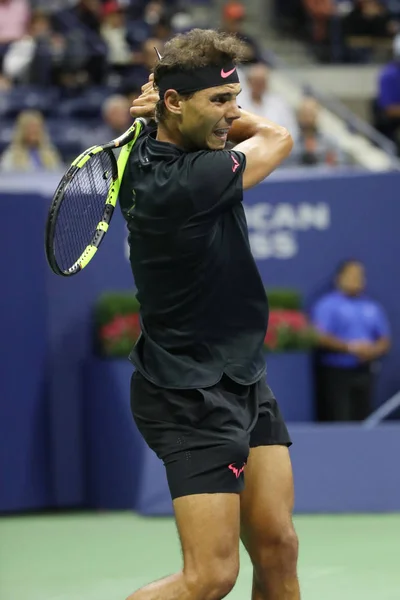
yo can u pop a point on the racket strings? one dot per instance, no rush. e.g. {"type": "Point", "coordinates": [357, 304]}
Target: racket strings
{"type": "Point", "coordinates": [82, 209]}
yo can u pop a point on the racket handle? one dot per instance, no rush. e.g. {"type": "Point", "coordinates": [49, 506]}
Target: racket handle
{"type": "Point", "coordinates": [143, 121]}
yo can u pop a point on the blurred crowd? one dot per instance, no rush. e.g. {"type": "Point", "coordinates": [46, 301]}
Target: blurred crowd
{"type": "Point", "coordinates": [346, 31]}
{"type": "Point", "coordinates": [69, 70]}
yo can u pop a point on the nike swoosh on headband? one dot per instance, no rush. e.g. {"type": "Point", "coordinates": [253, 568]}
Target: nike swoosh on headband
{"type": "Point", "coordinates": [225, 75]}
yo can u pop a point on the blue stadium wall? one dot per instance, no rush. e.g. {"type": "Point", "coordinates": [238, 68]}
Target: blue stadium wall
{"type": "Point", "coordinates": [66, 435]}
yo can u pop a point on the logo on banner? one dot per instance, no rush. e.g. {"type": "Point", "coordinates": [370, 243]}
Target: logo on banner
{"type": "Point", "coordinates": [274, 228]}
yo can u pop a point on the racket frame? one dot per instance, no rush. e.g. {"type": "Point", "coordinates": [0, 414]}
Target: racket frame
{"type": "Point", "coordinates": [125, 142]}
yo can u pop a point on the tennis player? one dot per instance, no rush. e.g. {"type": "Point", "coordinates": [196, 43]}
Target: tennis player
{"type": "Point", "coordinates": [199, 395]}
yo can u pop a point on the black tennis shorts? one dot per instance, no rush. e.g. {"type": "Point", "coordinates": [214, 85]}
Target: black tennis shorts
{"type": "Point", "coordinates": [203, 436]}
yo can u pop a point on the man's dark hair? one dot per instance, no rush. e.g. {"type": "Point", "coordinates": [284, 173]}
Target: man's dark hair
{"type": "Point", "coordinates": [195, 49]}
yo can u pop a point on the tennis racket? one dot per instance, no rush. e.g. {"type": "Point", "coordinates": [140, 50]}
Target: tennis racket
{"type": "Point", "coordinates": [84, 201]}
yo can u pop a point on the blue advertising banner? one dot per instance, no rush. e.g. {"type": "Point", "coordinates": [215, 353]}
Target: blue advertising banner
{"type": "Point", "coordinates": [300, 228]}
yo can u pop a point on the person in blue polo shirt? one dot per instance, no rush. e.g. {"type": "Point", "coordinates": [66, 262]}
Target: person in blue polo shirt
{"type": "Point", "coordinates": [353, 333]}
{"type": "Point", "coordinates": [387, 112]}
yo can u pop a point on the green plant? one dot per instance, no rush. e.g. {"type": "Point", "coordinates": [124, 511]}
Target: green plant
{"type": "Point", "coordinates": [284, 298]}
{"type": "Point", "coordinates": [116, 323]}
{"type": "Point", "coordinates": [288, 330]}
{"type": "Point", "coordinates": [111, 304]}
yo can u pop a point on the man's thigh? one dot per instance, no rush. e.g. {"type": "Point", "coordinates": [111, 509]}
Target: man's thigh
{"type": "Point", "coordinates": [209, 531]}
{"type": "Point", "coordinates": [267, 500]}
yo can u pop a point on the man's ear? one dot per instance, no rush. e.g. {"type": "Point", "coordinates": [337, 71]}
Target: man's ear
{"type": "Point", "coordinates": [173, 102]}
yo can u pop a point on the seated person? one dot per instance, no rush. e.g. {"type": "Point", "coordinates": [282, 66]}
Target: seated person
{"type": "Point", "coordinates": [256, 97]}
{"type": "Point", "coordinates": [233, 16]}
{"type": "Point", "coordinates": [30, 149]}
{"type": "Point", "coordinates": [387, 109]}
{"type": "Point", "coordinates": [313, 147]}
{"type": "Point", "coordinates": [368, 26]}
{"type": "Point", "coordinates": [320, 13]}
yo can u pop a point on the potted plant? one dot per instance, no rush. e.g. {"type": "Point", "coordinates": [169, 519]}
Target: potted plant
{"type": "Point", "coordinates": [117, 325]}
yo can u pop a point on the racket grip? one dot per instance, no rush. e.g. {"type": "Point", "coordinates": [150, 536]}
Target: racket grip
{"type": "Point", "coordinates": [143, 121]}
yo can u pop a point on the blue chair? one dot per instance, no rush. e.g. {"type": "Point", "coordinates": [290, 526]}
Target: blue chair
{"type": "Point", "coordinates": [87, 105]}
{"type": "Point", "coordinates": [6, 131]}
{"type": "Point", "coordinates": [21, 98]}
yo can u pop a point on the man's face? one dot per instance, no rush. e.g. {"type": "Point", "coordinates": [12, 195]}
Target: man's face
{"type": "Point", "coordinates": [207, 117]}
{"type": "Point", "coordinates": [352, 279]}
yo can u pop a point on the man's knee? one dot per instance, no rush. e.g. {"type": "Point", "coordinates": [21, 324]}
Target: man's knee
{"type": "Point", "coordinates": [277, 552]}
{"type": "Point", "coordinates": [214, 580]}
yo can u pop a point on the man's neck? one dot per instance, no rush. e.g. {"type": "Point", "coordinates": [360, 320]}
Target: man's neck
{"type": "Point", "coordinates": [165, 135]}
{"type": "Point", "coordinates": [168, 132]}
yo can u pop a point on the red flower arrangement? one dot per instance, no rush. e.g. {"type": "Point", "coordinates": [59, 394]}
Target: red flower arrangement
{"type": "Point", "coordinates": [288, 330]}
{"type": "Point", "coordinates": [118, 327]}
{"type": "Point", "coordinates": [120, 333]}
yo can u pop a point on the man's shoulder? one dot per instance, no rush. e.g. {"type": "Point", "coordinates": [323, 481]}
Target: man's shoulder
{"type": "Point", "coordinates": [199, 169]}
{"type": "Point", "coordinates": [187, 183]}
{"type": "Point", "coordinates": [214, 159]}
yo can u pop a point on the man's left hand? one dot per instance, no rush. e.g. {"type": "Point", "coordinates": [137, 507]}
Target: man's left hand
{"type": "Point", "coordinates": [144, 105]}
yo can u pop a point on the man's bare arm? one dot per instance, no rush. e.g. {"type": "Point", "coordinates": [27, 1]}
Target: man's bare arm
{"type": "Point", "coordinates": [264, 143]}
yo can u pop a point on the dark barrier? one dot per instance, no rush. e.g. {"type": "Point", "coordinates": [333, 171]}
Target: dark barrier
{"type": "Point", "coordinates": [299, 230]}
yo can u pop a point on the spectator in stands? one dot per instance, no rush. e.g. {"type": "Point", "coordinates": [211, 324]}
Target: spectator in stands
{"type": "Point", "coordinates": [313, 146]}
{"type": "Point", "coordinates": [14, 16]}
{"type": "Point", "coordinates": [130, 91]}
{"type": "Point", "coordinates": [393, 7]}
{"type": "Point", "coordinates": [52, 6]}
{"type": "Point", "coordinates": [114, 31]}
{"type": "Point", "coordinates": [152, 19]}
{"type": "Point", "coordinates": [387, 105]}
{"type": "Point", "coordinates": [290, 17]}
{"type": "Point", "coordinates": [154, 11]}
{"type": "Point", "coordinates": [5, 83]}
{"type": "Point", "coordinates": [145, 59]}
{"type": "Point", "coordinates": [353, 333]}
{"type": "Point", "coordinates": [117, 119]}
{"type": "Point", "coordinates": [38, 57]}
{"type": "Point", "coordinates": [86, 50]}
{"type": "Point", "coordinates": [88, 13]}
{"type": "Point", "coordinates": [320, 12]}
{"type": "Point", "coordinates": [325, 26]}
{"type": "Point", "coordinates": [163, 30]}
{"type": "Point", "coordinates": [368, 26]}
{"type": "Point", "coordinates": [257, 98]}
{"type": "Point", "coordinates": [149, 55]}
{"type": "Point", "coordinates": [233, 16]}
{"type": "Point", "coordinates": [30, 149]}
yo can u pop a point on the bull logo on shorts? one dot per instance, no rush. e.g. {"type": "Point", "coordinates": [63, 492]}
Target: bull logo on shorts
{"type": "Point", "coordinates": [236, 470]}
